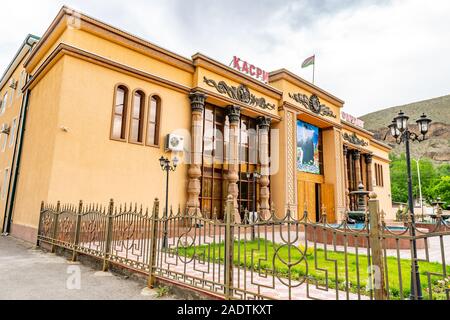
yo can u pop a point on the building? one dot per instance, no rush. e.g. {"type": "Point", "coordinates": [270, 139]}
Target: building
{"type": "Point", "coordinates": [91, 120]}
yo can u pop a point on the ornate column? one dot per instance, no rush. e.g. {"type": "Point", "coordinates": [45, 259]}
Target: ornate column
{"type": "Point", "coordinates": [197, 105]}
{"type": "Point", "coordinates": [368, 159]}
{"type": "Point", "coordinates": [356, 159]}
{"type": "Point", "coordinates": [351, 183]}
{"type": "Point", "coordinates": [234, 115]}
{"type": "Point", "coordinates": [264, 193]}
{"type": "Point", "coordinates": [347, 196]}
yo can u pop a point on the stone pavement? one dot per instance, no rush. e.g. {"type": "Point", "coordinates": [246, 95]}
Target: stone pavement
{"type": "Point", "coordinates": [28, 273]}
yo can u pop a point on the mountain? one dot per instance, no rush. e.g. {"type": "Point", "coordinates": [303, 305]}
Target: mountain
{"type": "Point", "coordinates": [437, 147]}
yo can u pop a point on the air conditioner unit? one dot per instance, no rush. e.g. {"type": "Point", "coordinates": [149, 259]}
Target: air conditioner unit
{"type": "Point", "coordinates": [174, 142]}
{"type": "Point", "coordinates": [13, 84]}
{"type": "Point", "coordinates": [5, 129]}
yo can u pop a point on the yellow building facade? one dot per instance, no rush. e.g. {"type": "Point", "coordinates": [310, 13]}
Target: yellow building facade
{"type": "Point", "coordinates": [97, 105]}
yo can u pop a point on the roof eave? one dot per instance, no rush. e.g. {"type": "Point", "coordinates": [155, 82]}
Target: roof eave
{"type": "Point", "coordinates": [29, 41]}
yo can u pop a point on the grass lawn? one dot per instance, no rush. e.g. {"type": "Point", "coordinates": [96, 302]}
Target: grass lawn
{"type": "Point", "coordinates": [259, 255]}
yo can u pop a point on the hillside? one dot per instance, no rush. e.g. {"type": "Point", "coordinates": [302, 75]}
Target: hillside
{"type": "Point", "coordinates": [437, 147]}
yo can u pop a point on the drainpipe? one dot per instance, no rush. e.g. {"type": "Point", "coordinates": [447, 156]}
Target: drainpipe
{"type": "Point", "coordinates": [15, 164]}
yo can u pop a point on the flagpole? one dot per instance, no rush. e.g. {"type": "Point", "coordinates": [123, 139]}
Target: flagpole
{"type": "Point", "coordinates": [314, 68]}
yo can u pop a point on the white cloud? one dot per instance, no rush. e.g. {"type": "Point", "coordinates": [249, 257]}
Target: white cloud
{"type": "Point", "coordinates": [372, 54]}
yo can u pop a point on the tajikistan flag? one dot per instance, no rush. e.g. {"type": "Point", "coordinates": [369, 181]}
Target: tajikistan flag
{"type": "Point", "coordinates": [309, 61]}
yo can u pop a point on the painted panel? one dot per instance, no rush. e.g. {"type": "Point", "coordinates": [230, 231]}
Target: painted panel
{"type": "Point", "coordinates": [307, 148]}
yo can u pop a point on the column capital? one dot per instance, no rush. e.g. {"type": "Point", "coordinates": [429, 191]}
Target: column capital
{"type": "Point", "coordinates": [345, 148]}
{"type": "Point", "coordinates": [263, 122]}
{"type": "Point", "coordinates": [368, 158]}
{"type": "Point", "coordinates": [234, 113]}
{"type": "Point", "coordinates": [356, 154]}
{"type": "Point", "coordinates": [197, 100]}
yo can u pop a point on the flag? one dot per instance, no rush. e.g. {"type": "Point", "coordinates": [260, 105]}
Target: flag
{"type": "Point", "coordinates": [309, 61]}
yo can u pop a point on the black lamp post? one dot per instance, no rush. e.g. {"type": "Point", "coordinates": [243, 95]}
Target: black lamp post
{"type": "Point", "coordinates": [166, 166]}
{"type": "Point", "coordinates": [254, 178]}
{"type": "Point", "coordinates": [400, 131]}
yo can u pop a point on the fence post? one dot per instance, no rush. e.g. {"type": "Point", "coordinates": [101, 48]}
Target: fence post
{"type": "Point", "coordinates": [55, 225]}
{"type": "Point", "coordinates": [77, 231]}
{"type": "Point", "coordinates": [229, 247]}
{"type": "Point", "coordinates": [377, 266]}
{"type": "Point", "coordinates": [108, 235]}
{"type": "Point", "coordinates": [40, 224]}
{"type": "Point", "coordinates": [153, 244]}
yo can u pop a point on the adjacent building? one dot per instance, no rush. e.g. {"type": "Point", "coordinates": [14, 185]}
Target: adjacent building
{"type": "Point", "coordinates": [88, 110]}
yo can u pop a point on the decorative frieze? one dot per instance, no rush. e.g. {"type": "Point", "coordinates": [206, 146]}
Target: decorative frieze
{"type": "Point", "coordinates": [240, 93]}
{"type": "Point", "coordinates": [313, 104]}
{"type": "Point", "coordinates": [353, 139]}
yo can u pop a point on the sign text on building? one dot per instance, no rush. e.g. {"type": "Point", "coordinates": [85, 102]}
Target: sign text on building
{"type": "Point", "coordinates": [250, 69]}
{"type": "Point", "coordinates": [353, 120]}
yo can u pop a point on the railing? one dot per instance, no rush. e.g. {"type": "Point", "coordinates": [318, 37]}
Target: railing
{"type": "Point", "coordinates": [273, 258]}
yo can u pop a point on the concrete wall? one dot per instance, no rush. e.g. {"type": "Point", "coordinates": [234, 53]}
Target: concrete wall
{"type": "Point", "coordinates": [11, 113]}
{"type": "Point", "coordinates": [38, 153]}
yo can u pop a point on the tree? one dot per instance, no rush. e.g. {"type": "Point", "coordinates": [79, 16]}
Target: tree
{"type": "Point", "coordinates": [428, 177]}
{"type": "Point", "coordinates": [443, 170]}
{"type": "Point", "coordinates": [432, 182]}
{"type": "Point", "coordinates": [442, 190]}
{"type": "Point", "coordinates": [399, 185]}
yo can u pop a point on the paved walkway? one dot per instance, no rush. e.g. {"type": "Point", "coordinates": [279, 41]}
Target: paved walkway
{"type": "Point", "coordinates": [31, 274]}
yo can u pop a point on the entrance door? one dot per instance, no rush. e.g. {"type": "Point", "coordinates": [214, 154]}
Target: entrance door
{"type": "Point", "coordinates": [314, 196]}
{"type": "Point", "coordinates": [307, 196]}
{"type": "Point", "coordinates": [328, 201]}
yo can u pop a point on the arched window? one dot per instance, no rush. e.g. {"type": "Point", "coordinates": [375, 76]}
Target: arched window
{"type": "Point", "coordinates": [120, 113]}
{"type": "Point", "coordinates": [154, 110]}
{"type": "Point", "coordinates": [137, 117]}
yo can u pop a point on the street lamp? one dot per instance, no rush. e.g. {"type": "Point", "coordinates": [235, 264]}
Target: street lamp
{"type": "Point", "coordinates": [254, 176]}
{"type": "Point", "coordinates": [167, 167]}
{"type": "Point", "coordinates": [400, 131]}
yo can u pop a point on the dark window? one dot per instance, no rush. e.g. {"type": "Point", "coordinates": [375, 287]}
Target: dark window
{"type": "Point", "coordinates": [120, 113]}
{"type": "Point", "coordinates": [137, 117]}
{"type": "Point", "coordinates": [153, 121]}
{"type": "Point", "coordinates": [379, 179]}
{"type": "Point", "coordinates": [215, 167]}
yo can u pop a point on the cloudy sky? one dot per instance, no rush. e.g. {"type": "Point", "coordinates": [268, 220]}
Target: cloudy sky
{"type": "Point", "coordinates": [370, 53]}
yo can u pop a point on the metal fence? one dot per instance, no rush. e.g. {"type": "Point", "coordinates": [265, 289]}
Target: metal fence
{"type": "Point", "coordinates": [273, 258]}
